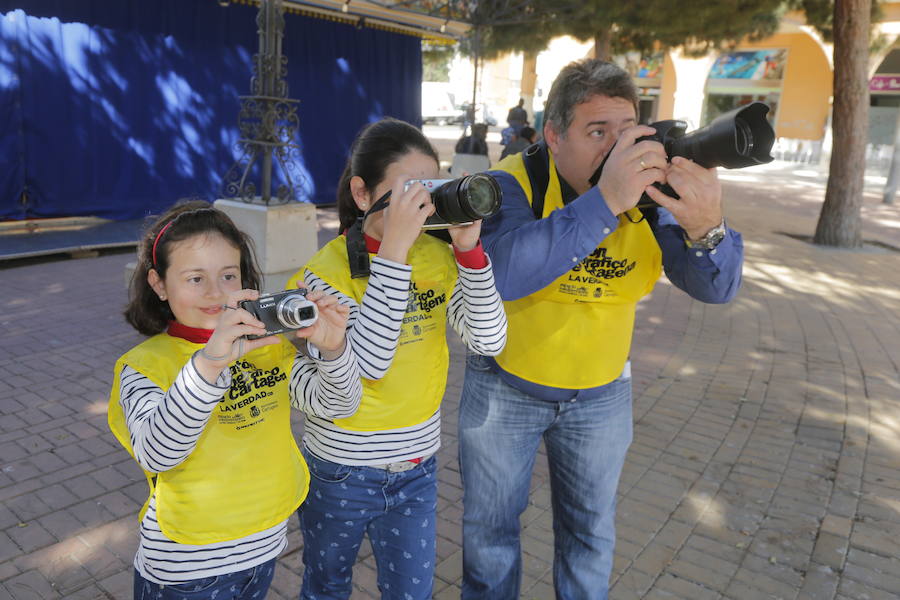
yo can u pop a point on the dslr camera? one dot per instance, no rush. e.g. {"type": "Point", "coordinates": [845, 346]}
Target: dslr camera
{"type": "Point", "coordinates": [742, 137]}
{"type": "Point", "coordinates": [282, 311]}
{"type": "Point", "coordinates": [460, 201]}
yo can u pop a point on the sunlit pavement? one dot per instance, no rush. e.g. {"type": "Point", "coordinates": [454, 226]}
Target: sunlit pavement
{"type": "Point", "coordinates": [767, 431]}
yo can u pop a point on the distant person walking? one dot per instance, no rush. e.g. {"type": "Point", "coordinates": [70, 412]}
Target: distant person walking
{"type": "Point", "coordinates": [517, 117]}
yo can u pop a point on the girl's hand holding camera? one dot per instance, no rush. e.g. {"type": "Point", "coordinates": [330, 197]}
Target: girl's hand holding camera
{"type": "Point", "coordinates": [403, 219]}
{"type": "Point", "coordinates": [328, 333]}
{"type": "Point", "coordinates": [465, 237]}
{"type": "Point", "coordinates": [227, 343]}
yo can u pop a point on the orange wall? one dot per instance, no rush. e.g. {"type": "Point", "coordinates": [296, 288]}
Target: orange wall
{"type": "Point", "coordinates": [667, 88]}
{"type": "Point", "coordinates": [806, 87]}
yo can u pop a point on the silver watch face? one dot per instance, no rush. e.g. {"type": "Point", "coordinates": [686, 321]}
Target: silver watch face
{"type": "Point", "coordinates": [711, 239]}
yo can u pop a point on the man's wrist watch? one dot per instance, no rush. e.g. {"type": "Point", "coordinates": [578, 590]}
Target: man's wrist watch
{"type": "Point", "coordinates": [711, 239]}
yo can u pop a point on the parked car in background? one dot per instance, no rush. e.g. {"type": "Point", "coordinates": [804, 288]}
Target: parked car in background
{"type": "Point", "coordinates": [438, 105]}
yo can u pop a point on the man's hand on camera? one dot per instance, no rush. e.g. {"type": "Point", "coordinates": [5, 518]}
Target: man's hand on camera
{"type": "Point", "coordinates": [700, 207]}
{"type": "Point", "coordinates": [631, 168]}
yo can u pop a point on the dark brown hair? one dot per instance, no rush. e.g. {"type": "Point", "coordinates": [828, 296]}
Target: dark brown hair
{"type": "Point", "coordinates": [145, 311]}
{"type": "Point", "coordinates": [375, 148]}
{"type": "Point", "coordinates": [580, 81]}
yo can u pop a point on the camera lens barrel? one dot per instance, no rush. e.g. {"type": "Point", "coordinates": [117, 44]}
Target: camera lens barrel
{"type": "Point", "coordinates": [739, 138]}
{"type": "Point", "coordinates": [295, 311]}
{"type": "Point", "coordinates": [468, 198]}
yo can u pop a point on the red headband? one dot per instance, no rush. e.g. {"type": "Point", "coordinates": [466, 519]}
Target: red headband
{"type": "Point", "coordinates": [156, 241]}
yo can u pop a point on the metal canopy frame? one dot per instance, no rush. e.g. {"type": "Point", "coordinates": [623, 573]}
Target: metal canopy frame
{"type": "Point", "coordinates": [393, 15]}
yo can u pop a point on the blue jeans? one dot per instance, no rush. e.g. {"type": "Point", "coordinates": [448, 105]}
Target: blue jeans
{"type": "Point", "coordinates": [397, 510]}
{"type": "Point", "coordinates": [249, 584]}
{"type": "Point", "coordinates": [500, 429]}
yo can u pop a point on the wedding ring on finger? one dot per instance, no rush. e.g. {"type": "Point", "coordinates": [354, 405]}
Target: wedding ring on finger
{"type": "Point", "coordinates": [644, 166]}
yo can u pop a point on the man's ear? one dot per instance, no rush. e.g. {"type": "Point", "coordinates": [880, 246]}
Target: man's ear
{"type": "Point", "coordinates": [156, 282]}
{"type": "Point", "coordinates": [359, 192]}
{"type": "Point", "coordinates": [551, 137]}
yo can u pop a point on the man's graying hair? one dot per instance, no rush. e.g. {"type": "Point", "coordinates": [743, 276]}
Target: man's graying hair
{"type": "Point", "coordinates": [578, 82]}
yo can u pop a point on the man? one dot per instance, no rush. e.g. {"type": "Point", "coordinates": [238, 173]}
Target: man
{"type": "Point", "coordinates": [476, 143]}
{"type": "Point", "coordinates": [527, 136]}
{"type": "Point", "coordinates": [571, 260]}
{"type": "Point", "coordinates": [517, 117]}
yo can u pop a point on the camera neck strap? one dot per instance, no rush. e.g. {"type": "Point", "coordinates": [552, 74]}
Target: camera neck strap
{"type": "Point", "coordinates": [537, 164]}
{"type": "Point", "coordinates": [357, 253]}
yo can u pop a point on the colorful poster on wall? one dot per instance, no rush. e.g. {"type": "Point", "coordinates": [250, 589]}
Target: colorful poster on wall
{"type": "Point", "coordinates": [754, 65]}
{"type": "Point", "coordinates": [646, 69]}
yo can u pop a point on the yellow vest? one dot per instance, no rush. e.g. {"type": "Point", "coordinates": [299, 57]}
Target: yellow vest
{"type": "Point", "coordinates": [246, 473]}
{"type": "Point", "coordinates": [411, 390]}
{"type": "Point", "coordinates": [576, 332]}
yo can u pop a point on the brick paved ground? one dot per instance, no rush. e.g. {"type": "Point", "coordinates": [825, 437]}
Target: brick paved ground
{"type": "Point", "coordinates": [765, 463]}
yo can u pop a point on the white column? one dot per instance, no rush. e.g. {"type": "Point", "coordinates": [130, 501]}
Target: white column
{"type": "Point", "coordinates": [284, 236]}
{"type": "Point", "coordinates": [690, 86]}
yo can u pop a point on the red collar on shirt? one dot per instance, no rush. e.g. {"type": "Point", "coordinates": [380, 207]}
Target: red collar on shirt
{"type": "Point", "coordinates": [372, 245]}
{"type": "Point", "coordinates": [191, 334]}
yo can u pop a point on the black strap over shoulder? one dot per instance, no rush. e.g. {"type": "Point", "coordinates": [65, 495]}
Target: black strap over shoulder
{"type": "Point", "coordinates": [537, 164]}
{"type": "Point", "coordinates": [357, 254]}
{"type": "Point", "coordinates": [650, 214]}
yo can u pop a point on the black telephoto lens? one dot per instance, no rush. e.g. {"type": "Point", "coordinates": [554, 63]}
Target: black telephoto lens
{"type": "Point", "coordinates": [739, 138]}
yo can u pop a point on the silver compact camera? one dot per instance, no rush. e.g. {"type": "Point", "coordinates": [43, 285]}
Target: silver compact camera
{"type": "Point", "coordinates": [460, 201]}
{"type": "Point", "coordinates": [282, 311]}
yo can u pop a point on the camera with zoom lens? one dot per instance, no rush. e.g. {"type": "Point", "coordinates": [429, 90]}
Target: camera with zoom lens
{"type": "Point", "coordinates": [740, 138]}
{"type": "Point", "coordinates": [282, 311]}
{"type": "Point", "coordinates": [461, 201]}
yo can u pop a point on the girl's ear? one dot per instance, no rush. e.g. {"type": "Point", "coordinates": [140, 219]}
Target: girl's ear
{"type": "Point", "coordinates": [156, 282]}
{"type": "Point", "coordinates": [359, 192]}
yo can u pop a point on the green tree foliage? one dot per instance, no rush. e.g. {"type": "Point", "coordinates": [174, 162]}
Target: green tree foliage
{"type": "Point", "coordinates": [436, 61]}
{"type": "Point", "coordinates": [642, 24]}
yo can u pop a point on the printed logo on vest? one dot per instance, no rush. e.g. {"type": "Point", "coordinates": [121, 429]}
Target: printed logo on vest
{"type": "Point", "coordinates": [599, 266]}
{"type": "Point", "coordinates": [419, 306]}
{"type": "Point", "coordinates": [249, 384]}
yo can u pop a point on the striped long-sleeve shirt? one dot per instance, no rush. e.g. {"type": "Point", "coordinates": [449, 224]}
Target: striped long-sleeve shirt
{"type": "Point", "coordinates": [164, 427]}
{"type": "Point", "coordinates": [475, 312]}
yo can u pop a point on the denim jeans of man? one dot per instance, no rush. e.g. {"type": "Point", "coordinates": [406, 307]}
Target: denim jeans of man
{"type": "Point", "coordinates": [500, 430]}
{"type": "Point", "coordinates": [249, 584]}
{"type": "Point", "coordinates": [396, 510]}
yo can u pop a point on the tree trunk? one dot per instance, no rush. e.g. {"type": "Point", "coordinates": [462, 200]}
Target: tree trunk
{"type": "Point", "coordinates": [839, 222]}
{"type": "Point", "coordinates": [529, 82]}
{"type": "Point", "coordinates": [602, 42]}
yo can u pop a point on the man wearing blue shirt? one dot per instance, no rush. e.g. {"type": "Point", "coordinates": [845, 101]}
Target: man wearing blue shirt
{"type": "Point", "coordinates": [571, 260]}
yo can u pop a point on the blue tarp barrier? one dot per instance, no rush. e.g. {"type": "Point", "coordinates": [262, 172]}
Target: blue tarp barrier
{"type": "Point", "coordinates": [118, 108]}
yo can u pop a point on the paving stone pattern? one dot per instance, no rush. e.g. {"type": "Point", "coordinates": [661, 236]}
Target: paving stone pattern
{"type": "Point", "coordinates": [765, 462]}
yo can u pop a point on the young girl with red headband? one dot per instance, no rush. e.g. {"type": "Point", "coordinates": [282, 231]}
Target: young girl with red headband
{"type": "Point", "coordinates": [205, 410]}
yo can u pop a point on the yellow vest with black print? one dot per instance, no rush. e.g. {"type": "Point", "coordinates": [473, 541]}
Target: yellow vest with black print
{"type": "Point", "coordinates": [411, 390]}
{"type": "Point", "coordinates": [576, 332]}
{"type": "Point", "coordinates": [246, 473]}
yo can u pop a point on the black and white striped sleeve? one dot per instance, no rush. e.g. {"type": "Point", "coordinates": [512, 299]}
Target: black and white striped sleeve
{"type": "Point", "coordinates": [373, 326]}
{"type": "Point", "coordinates": [476, 311]}
{"type": "Point", "coordinates": [164, 426]}
{"type": "Point", "coordinates": [330, 389]}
